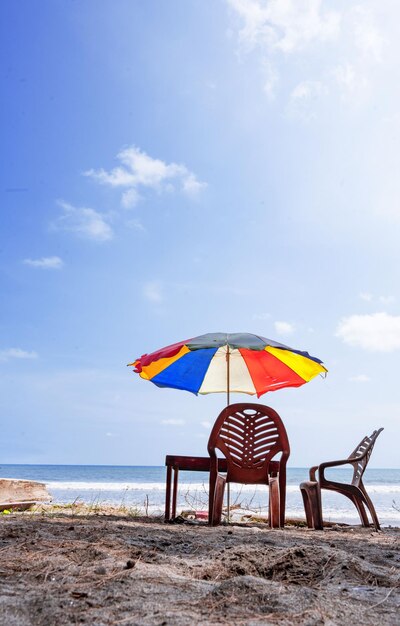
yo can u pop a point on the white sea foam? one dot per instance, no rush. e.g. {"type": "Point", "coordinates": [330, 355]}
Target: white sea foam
{"type": "Point", "coordinates": [388, 515]}
{"type": "Point", "coordinates": [160, 486]}
{"type": "Point", "coordinates": [112, 486]}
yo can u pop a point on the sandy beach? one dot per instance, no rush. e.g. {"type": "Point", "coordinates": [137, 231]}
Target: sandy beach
{"type": "Point", "coordinates": [60, 567]}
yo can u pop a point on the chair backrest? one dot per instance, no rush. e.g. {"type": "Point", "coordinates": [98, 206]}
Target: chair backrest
{"type": "Point", "coordinates": [249, 436]}
{"type": "Point", "coordinates": [363, 453]}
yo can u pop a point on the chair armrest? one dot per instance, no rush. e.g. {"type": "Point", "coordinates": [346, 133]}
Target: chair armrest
{"type": "Point", "coordinates": [323, 466]}
{"type": "Point", "coordinates": [313, 470]}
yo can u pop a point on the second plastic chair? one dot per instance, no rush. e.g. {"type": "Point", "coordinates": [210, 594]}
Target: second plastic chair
{"type": "Point", "coordinates": [354, 490]}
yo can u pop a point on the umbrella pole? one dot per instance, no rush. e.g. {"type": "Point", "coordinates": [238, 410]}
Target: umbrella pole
{"type": "Point", "coordinates": [228, 491]}
{"type": "Point", "coordinates": [227, 375]}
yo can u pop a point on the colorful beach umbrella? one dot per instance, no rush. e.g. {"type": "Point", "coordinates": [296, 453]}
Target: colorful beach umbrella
{"type": "Point", "coordinates": [228, 362]}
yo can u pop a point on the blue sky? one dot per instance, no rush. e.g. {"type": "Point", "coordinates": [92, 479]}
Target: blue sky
{"type": "Point", "coordinates": [175, 168]}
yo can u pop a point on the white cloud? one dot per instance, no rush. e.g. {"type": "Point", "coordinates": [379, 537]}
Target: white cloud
{"type": "Point", "coordinates": [368, 297]}
{"type": "Point", "coordinates": [303, 99]}
{"type": "Point", "coordinates": [271, 79]}
{"type": "Point", "coordinates": [284, 328]}
{"type": "Point", "coordinates": [139, 170]}
{"type": "Point", "coordinates": [152, 291]}
{"type": "Point", "coordinates": [285, 25]}
{"type": "Point", "coordinates": [360, 378]}
{"type": "Point", "coordinates": [191, 185]}
{"type": "Point", "coordinates": [346, 43]}
{"type": "Point", "coordinates": [46, 263]}
{"type": "Point", "coordinates": [378, 332]}
{"type": "Point", "coordinates": [156, 290]}
{"type": "Point", "coordinates": [85, 222]}
{"type": "Point", "coordinates": [347, 78]}
{"type": "Point", "coordinates": [173, 422]}
{"type": "Point", "coordinates": [363, 51]}
{"type": "Point", "coordinates": [371, 42]}
{"type": "Point", "coordinates": [136, 225]}
{"type": "Point", "coordinates": [206, 424]}
{"type": "Point", "coordinates": [130, 198]}
{"type": "Point", "coordinates": [353, 82]}
{"type": "Point", "coordinates": [306, 90]}
{"type": "Point", "coordinates": [16, 353]}
{"type": "Point", "coordinates": [367, 37]}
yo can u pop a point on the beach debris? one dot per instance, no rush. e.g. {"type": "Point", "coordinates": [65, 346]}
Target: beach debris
{"type": "Point", "coordinates": [79, 594]}
{"type": "Point", "coordinates": [20, 495]}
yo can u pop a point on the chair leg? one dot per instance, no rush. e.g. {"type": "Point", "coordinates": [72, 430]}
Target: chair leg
{"type": "Point", "coordinates": [311, 492]}
{"type": "Point", "coordinates": [371, 509]}
{"type": "Point", "coordinates": [175, 492]}
{"type": "Point", "coordinates": [307, 508]}
{"type": "Point", "coordinates": [211, 498]}
{"type": "Point", "coordinates": [282, 495]}
{"type": "Point", "coordinates": [167, 514]}
{"type": "Point", "coordinates": [216, 511]}
{"type": "Point", "coordinates": [359, 504]}
{"type": "Point", "coordinates": [317, 509]}
{"type": "Point", "coordinates": [274, 503]}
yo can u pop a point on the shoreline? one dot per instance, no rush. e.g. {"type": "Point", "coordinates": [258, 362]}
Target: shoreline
{"type": "Point", "coordinates": [145, 509]}
{"type": "Point", "coordinates": [61, 565]}
{"type": "Point", "coordinates": [131, 487]}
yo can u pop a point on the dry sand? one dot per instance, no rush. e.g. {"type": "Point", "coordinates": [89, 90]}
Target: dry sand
{"type": "Point", "coordinates": [63, 568]}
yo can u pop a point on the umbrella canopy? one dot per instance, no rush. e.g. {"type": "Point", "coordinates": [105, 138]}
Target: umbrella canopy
{"type": "Point", "coordinates": [222, 362]}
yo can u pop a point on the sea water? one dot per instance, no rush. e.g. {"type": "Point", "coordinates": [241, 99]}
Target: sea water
{"type": "Point", "coordinates": [143, 488]}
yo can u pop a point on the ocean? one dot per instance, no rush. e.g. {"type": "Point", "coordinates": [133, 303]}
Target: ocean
{"type": "Point", "coordinates": [144, 487]}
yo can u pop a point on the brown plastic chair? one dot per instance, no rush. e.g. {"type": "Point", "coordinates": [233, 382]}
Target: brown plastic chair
{"type": "Point", "coordinates": [249, 436]}
{"type": "Point", "coordinates": [355, 491]}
